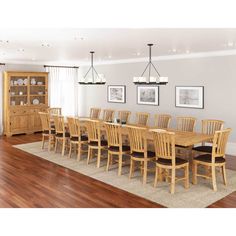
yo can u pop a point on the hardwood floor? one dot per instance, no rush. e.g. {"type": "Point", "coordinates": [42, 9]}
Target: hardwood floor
{"type": "Point", "coordinates": [26, 181]}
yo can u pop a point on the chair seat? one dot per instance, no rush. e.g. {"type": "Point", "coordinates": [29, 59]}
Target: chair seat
{"type": "Point", "coordinates": [207, 149]}
{"type": "Point", "coordinates": [141, 154]}
{"type": "Point", "coordinates": [208, 159]}
{"type": "Point", "coordinates": [116, 149]}
{"type": "Point", "coordinates": [82, 138]}
{"type": "Point", "coordinates": [168, 162]}
{"type": "Point", "coordinates": [47, 132]}
{"type": "Point", "coordinates": [60, 135]}
{"type": "Point", "coordinates": [52, 126]}
{"type": "Point", "coordinates": [95, 144]}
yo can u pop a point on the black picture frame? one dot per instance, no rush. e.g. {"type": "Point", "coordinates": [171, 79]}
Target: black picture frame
{"type": "Point", "coordinates": [202, 100]}
{"type": "Point", "coordinates": [108, 94]}
{"type": "Point", "coordinates": [148, 103]}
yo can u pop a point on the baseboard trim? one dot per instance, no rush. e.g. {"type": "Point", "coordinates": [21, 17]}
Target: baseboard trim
{"type": "Point", "coordinates": [231, 149]}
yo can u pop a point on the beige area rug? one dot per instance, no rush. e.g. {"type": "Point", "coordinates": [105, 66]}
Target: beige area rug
{"type": "Point", "coordinates": [197, 196]}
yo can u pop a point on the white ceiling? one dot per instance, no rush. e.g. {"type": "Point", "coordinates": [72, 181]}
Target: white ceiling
{"type": "Point", "coordinates": [72, 46]}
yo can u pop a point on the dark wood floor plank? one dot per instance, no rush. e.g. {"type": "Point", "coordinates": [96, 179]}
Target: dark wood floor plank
{"type": "Point", "coordinates": [27, 181]}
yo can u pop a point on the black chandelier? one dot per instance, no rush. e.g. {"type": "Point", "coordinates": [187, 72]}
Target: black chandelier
{"type": "Point", "coordinates": [160, 80]}
{"type": "Point", "coordinates": [95, 78]}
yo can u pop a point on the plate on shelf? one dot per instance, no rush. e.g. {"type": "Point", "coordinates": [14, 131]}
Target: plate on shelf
{"type": "Point", "coordinates": [25, 81]}
{"type": "Point", "coordinates": [35, 101]}
{"type": "Point", "coordinates": [39, 83]}
{"type": "Point", "coordinates": [20, 81]}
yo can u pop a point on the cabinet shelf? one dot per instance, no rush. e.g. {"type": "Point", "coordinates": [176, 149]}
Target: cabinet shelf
{"type": "Point", "coordinates": [37, 95]}
{"type": "Point", "coordinates": [18, 96]}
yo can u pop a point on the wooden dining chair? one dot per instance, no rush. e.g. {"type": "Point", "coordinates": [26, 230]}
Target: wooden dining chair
{"type": "Point", "coordinates": [76, 137]}
{"type": "Point", "coordinates": [186, 124]}
{"type": "Point", "coordinates": [164, 143]}
{"type": "Point", "coordinates": [95, 113]}
{"type": "Point", "coordinates": [94, 140]}
{"type": "Point", "coordinates": [213, 160]}
{"type": "Point", "coordinates": [48, 132]}
{"type": "Point", "coordinates": [62, 137]}
{"type": "Point", "coordinates": [139, 152]}
{"type": "Point", "coordinates": [115, 145]}
{"type": "Point", "coordinates": [208, 127]}
{"type": "Point", "coordinates": [142, 118]}
{"type": "Point", "coordinates": [108, 115]}
{"type": "Point", "coordinates": [54, 111]}
{"type": "Point", "coordinates": [162, 121]}
{"type": "Point", "coordinates": [124, 116]}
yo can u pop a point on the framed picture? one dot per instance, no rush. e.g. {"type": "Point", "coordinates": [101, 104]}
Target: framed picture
{"type": "Point", "coordinates": [148, 95]}
{"type": "Point", "coordinates": [116, 93]}
{"type": "Point", "coordinates": [189, 97]}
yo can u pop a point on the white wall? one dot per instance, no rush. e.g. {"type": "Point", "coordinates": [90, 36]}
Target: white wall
{"type": "Point", "coordinates": [216, 74]}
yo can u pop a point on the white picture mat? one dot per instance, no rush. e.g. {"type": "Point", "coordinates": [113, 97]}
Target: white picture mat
{"type": "Point", "coordinates": [120, 98]}
{"type": "Point", "coordinates": [155, 96]}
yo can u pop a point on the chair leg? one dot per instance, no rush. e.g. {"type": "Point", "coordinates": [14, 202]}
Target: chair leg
{"type": "Point", "coordinates": [145, 172]}
{"type": "Point", "coordinates": [99, 158]}
{"type": "Point", "coordinates": [89, 154]}
{"type": "Point", "coordinates": [49, 143]}
{"type": "Point", "coordinates": [120, 165]}
{"type": "Point", "coordinates": [56, 143]}
{"type": "Point", "coordinates": [141, 167]}
{"type": "Point", "coordinates": [70, 150]}
{"type": "Point", "coordinates": [160, 174]}
{"type": "Point", "coordinates": [224, 174]}
{"type": "Point", "coordinates": [131, 170]}
{"type": "Point", "coordinates": [43, 141]}
{"type": "Point", "coordinates": [213, 172]}
{"type": "Point", "coordinates": [79, 151]}
{"type": "Point", "coordinates": [108, 160]}
{"type": "Point", "coordinates": [63, 147]}
{"type": "Point", "coordinates": [186, 176]}
{"type": "Point", "coordinates": [156, 177]}
{"type": "Point", "coordinates": [172, 185]}
{"type": "Point", "coordinates": [194, 181]}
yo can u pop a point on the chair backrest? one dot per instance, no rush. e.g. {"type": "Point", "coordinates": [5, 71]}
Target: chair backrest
{"type": "Point", "coordinates": [94, 132]}
{"type": "Point", "coordinates": [186, 124]}
{"type": "Point", "coordinates": [59, 124]}
{"type": "Point", "coordinates": [137, 138]}
{"type": "Point", "coordinates": [108, 115]}
{"type": "Point", "coordinates": [210, 126]}
{"type": "Point", "coordinates": [164, 143]}
{"type": "Point", "coordinates": [162, 121]}
{"type": "Point", "coordinates": [54, 111]}
{"type": "Point", "coordinates": [219, 143]}
{"type": "Point", "coordinates": [45, 120]}
{"type": "Point", "coordinates": [142, 118]}
{"type": "Point", "coordinates": [74, 126]}
{"type": "Point", "coordinates": [114, 137]}
{"type": "Point", "coordinates": [124, 116]}
{"type": "Point", "coordinates": [95, 113]}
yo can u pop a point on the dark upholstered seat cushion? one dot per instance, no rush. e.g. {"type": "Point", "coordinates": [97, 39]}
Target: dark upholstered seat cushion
{"type": "Point", "coordinates": [61, 135]}
{"type": "Point", "coordinates": [47, 131]}
{"type": "Point", "coordinates": [168, 162]}
{"type": "Point", "coordinates": [83, 138]}
{"type": "Point", "coordinates": [207, 158]}
{"type": "Point", "coordinates": [93, 143]}
{"type": "Point", "coordinates": [141, 154]}
{"type": "Point", "coordinates": [52, 126]}
{"type": "Point", "coordinates": [207, 149]}
{"type": "Point", "coordinates": [116, 149]}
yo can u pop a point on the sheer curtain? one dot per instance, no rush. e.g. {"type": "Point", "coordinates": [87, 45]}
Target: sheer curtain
{"type": "Point", "coordinates": [63, 89]}
{"type": "Point", "coordinates": [1, 98]}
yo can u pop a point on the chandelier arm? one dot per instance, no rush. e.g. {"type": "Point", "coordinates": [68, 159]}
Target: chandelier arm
{"type": "Point", "coordinates": [149, 73]}
{"type": "Point", "coordinates": [156, 70]}
{"type": "Point", "coordinates": [145, 69]}
{"type": "Point", "coordinates": [87, 72]}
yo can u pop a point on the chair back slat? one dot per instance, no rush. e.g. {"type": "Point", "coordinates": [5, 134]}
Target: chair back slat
{"type": "Point", "coordinates": [164, 143]}
{"type": "Point", "coordinates": [162, 121]}
{"type": "Point", "coordinates": [108, 115]}
{"type": "Point", "coordinates": [74, 126]}
{"type": "Point", "coordinates": [114, 137]}
{"type": "Point", "coordinates": [142, 118]}
{"type": "Point", "coordinates": [59, 124]}
{"type": "Point", "coordinates": [94, 133]}
{"type": "Point", "coordinates": [186, 124]}
{"type": "Point", "coordinates": [54, 111]}
{"type": "Point", "coordinates": [124, 116]}
{"type": "Point", "coordinates": [219, 143]}
{"type": "Point", "coordinates": [45, 121]}
{"type": "Point", "coordinates": [138, 138]}
{"type": "Point", "coordinates": [95, 113]}
{"type": "Point", "coordinates": [210, 126]}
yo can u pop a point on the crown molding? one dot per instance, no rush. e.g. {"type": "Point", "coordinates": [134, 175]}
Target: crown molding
{"type": "Point", "coordinates": [130, 60]}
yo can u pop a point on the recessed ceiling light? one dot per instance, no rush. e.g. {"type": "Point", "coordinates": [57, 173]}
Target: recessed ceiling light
{"type": "Point", "coordinates": [78, 38]}
{"type": "Point", "coordinates": [174, 50]}
{"type": "Point", "coordinates": [4, 41]}
{"type": "Point", "coordinates": [230, 44]}
{"type": "Point", "coordinates": [45, 45]}
{"type": "Point", "coordinates": [138, 53]}
{"type": "Point", "coordinates": [20, 49]}
{"type": "Point", "coordinates": [109, 56]}
{"type": "Point", "coordinates": [187, 51]}
{"type": "Point", "coordinates": [33, 59]}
